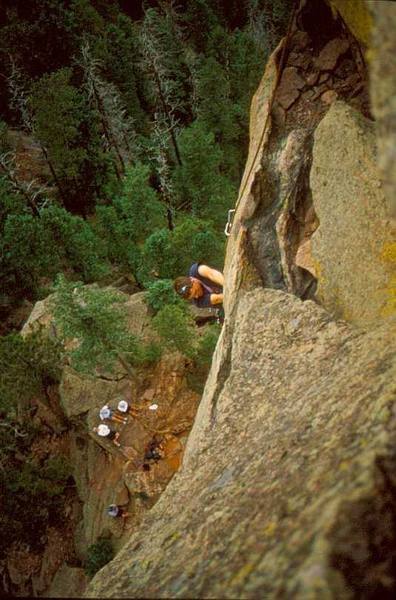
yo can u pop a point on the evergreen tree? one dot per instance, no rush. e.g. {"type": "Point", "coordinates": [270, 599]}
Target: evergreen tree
{"type": "Point", "coordinates": [176, 328]}
{"type": "Point", "coordinates": [132, 215]}
{"type": "Point", "coordinates": [198, 183]}
{"type": "Point", "coordinates": [95, 319]}
{"type": "Point", "coordinates": [28, 366]}
{"type": "Point", "coordinates": [161, 61]}
{"type": "Point", "coordinates": [168, 254]}
{"type": "Point", "coordinates": [161, 293]}
{"type": "Point", "coordinates": [19, 102]}
{"type": "Point", "coordinates": [117, 128]}
{"type": "Point", "coordinates": [65, 128]}
{"type": "Point", "coordinates": [74, 242]}
{"type": "Point", "coordinates": [118, 52]}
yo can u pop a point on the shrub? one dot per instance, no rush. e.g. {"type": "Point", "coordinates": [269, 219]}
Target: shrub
{"type": "Point", "coordinates": [98, 555]}
{"type": "Point", "coordinates": [170, 253]}
{"type": "Point", "coordinates": [161, 293]}
{"type": "Point", "coordinates": [206, 346]}
{"type": "Point", "coordinates": [176, 328]}
{"type": "Point", "coordinates": [202, 358]}
{"type": "Point", "coordinates": [95, 319]}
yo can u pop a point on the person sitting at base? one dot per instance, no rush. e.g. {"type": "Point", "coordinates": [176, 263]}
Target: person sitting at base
{"type": "Point", "coordinates": [124, 407]}
{"type": "Point", "coordinates": [203, 286]}
{"type": "Point", "coordinates": [117, 510]}
{"type": "Point", "coordinates": [154, 451]}
{"type": "Point", "coordinates": [107, 413]}
{"type": "Point", "coordinates": [105, 431]}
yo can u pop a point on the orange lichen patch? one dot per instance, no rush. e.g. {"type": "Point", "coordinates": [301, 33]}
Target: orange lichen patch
{"type": "Point", "coordinates": [173, 450]}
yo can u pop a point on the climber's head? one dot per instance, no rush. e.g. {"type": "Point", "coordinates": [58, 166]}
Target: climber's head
{"type": "Point", "coordinates": [188, 287]}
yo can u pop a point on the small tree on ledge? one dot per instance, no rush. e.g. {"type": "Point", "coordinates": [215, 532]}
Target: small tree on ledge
{"type": "Point", "coordinates": [93, 319]}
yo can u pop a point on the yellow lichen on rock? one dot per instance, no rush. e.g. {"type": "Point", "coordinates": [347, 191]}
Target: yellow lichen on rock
{"type": "Point", "coordinates": [389, 256]}
{"type": "Point", "coordinates": [356, 17]}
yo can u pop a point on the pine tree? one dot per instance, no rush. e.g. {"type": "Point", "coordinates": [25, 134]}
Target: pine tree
{"type": "Point", "coordinates": [19, 102]}
{"type": "Point", "coordinates": [66, 128]}
{"type": "Point", "coordinates": [161, 62]}
{"type": "Point", "coordinates": [28, 366]}
{"type": "Point", "coordinates": [95, 319]}
{"type": "Point", "coordinates": [199, 184]}
{"type": "Point", "coordinates": [117, 127]}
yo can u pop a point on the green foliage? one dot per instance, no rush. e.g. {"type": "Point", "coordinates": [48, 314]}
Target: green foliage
{"type": "Point", "coordinates": [26, 254]}
{"type": "Point", "coordinates": [94, 318]}
{"type": "Point", "coordinates": [58, 113]}
{"type": "Point", "coordinates": [117, 48]}
{"type": "Point", "coordinates": [75, 242]}
{"type": "Point", "coordinates": [4, 144]}
{"type": "Point", "coordinates": [166, 103]}
{"type": "Point", "coordinates": [199, 182]}
{"type": "Point", "coordinates": [206, 346]}
{"type": "Point", "coordinates": [46, 481]}
{"type": "Point", "coordinates": [202, 357]}
{"type": "Point", "coordinates": [69, 133]}
{"type": "Point", "coordinates": [169, 254]}
{"type": "Point", "coordinates": [157, 257]}
{"type": "Point", "coordinates": [98, 555]}
{"type": "Point", "coordinates": [131, 217]}
{"type": "Point", "coordinates": [31, 493]}
{"type": "Point", "coordinates": [27, 364]}
{"type": "Point", "coordinates": [164, 61]}
{"type": "Point", "coordinates": [33, 247]}
{"type": "Point", "coordinates": [176, 328]}
{"type": "Point", "coordinates": [161, 293]}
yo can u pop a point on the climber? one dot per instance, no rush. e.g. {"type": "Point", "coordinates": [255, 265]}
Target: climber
{"type": "Point", "coordinates": [203, 286]}
{"type": "Point", "coordinates": [118, 510]}
{"type": "Point", "coordinates": [154, 451]}
{"type": "Point", "coordinates": [124, 407]}
{"type": "Point", "coordinates": [105, 431]}
{"type": "Point", "coordinates": [107, 413]}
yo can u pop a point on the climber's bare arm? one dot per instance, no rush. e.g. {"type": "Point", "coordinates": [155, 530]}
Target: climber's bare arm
{"type": "Point", "coordinates": [216, 298]}
{"type": "Point", "coordinates": [211, 274]}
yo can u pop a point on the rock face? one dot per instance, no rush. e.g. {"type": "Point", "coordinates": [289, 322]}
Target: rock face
{"type": "Point", "coordinates": [287, 488]}
{"type": "Point", "coordinates": [104, 474]}
{"type": "Point", "coordinates": [274, 490]}
{"type": "Point", "coordinates": [354, 232]}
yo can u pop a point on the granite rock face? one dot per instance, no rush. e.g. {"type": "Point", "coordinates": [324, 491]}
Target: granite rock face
{"type": "Point", "coordinates": [296, 464]}
{"type": "Point", "coordinates": [354, 231]}
{"type": "Point", "coordinates": [103, 473]}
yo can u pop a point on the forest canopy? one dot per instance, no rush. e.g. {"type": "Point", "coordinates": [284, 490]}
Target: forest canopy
{"type": "Point", "coordinates": [138, 114]}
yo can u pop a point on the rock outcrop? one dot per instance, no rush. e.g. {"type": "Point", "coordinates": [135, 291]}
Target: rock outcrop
{"type": "Point", "coordinates": [287, 488]}
{"type": "Point", "coordinates": [102, 473]}
{"type": "Point", "coordinates": [275, 491]}
{"type": "Point", "coordinates": [354, 232]}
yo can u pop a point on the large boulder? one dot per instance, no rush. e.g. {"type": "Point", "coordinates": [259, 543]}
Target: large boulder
{"type": "Point", "coordinates": [349, 246]}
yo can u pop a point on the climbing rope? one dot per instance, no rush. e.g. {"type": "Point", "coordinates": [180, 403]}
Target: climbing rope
{"type": "Point", "coordinates": [231, 212]}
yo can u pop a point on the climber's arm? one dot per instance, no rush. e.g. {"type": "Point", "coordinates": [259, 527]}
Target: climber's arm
{"type": "Point", "coordinates": [216, 298]}
{"type": "Point", "coordinates": [211, 274]}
